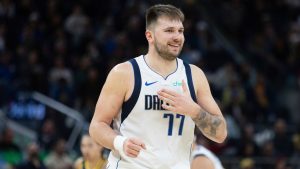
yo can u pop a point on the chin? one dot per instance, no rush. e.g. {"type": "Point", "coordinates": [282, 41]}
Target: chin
{"type": "Point", "coordinates": [170, 58]}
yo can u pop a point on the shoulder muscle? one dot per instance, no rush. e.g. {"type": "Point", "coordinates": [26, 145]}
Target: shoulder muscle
{"type": "Point", "coordinates": [78, 163]}
{"type": "Point", "coordinates": [202, 162]}
{"type": "Point", "coordinates": [200, 81]}
{"type": "Point", "coordinates": [114, 92]}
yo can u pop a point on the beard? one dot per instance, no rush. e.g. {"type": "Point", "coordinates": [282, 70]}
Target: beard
{"type": "Point", "coordinates": [165, 52]}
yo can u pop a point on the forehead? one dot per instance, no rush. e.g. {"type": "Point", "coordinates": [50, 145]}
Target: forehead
{"type": "Point", "coordinates": [167, 22]}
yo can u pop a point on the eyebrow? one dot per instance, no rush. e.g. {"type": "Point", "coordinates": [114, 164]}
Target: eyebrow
{"type": "Point", "coordinates": [181, 28]}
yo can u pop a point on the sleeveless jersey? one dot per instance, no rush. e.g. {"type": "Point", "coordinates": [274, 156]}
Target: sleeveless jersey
{"type": "Point", "coordinates": [202, 151]}
{"type": "Point", "coordinates": [168, 136]}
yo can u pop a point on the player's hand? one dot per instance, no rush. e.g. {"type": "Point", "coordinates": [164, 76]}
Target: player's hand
{"type": "Point", "coordinates": [181, 103]}
{"type": "Point", "coordinates": [133, 146]}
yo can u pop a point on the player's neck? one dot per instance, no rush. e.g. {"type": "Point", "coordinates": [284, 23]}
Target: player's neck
{"type": "Point", "coordinates": [160, 65]}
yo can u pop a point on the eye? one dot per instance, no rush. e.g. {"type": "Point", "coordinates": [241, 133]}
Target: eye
{"type": "Point", "coordinates": [169, 30]}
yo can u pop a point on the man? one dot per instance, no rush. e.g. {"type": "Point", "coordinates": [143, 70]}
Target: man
{"type": "Point", "coordinates": [155, 101]}
{"type": "Point", "coordinates": [203, 157]}
{"type": "Point", "coordinates": [33, 160]}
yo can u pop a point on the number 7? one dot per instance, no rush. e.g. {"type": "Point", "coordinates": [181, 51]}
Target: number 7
{"type": "Point", "coordinates": [171, 122]}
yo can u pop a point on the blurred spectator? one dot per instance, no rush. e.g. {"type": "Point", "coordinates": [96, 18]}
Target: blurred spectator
{"type": "Point", "coordinates": [92, 154]}
{"type": "Point", "coordinates": [247, 163]}
{"type": "Point", "coordinates": [58, 158]}
{"type": "Point", "coordinates": [2, 38]}
{"type": "Point", "coordinates": [7, 9]}
{"type": "Point", "coordinates": [76, 24]}
{"type": "Point", "coordinates": [282, 139]}
{"type": "Point", "coordinates": [47, 135]}
{"type": "Point", "coordinates": [247, 146]}
{"type": "Point", "coordinates": [268, 153]}
{"type": "Point", "coordinates": [296, 155]}
{"type": "Point", "coordinates": [33, 160]}
{"type": "Point", "coordinates": [61, 78]}
{"type": "Point", "coordinates": [261, 100]}
{"type": "Point", "coordinates": [9, 150]}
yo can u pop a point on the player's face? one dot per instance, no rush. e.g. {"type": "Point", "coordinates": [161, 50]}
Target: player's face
{"type": "Point", "coordinates": [89, 148]}
{"type": "Point", "coordinates": [168, 38]}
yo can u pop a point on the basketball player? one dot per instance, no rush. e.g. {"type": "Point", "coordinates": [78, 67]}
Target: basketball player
{"type": "Point", "coordinates": [203, 157]}
{"type": "Point", "coordinates": [155, 101]}
{"type": "Point", "coordinates": [91, 155]}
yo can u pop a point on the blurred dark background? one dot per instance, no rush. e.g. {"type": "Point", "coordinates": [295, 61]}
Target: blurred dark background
{"type": "Point", "coordinates": [249, 50]}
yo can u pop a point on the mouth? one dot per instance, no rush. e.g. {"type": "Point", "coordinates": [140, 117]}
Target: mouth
{"type": "Point", "coordinates": [174, 45]}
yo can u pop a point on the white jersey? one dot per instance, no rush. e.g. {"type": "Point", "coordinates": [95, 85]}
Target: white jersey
{"type": "Point", "coordinates": [168, 136]}
{"type": "Point", "coordinates": [202, 151]}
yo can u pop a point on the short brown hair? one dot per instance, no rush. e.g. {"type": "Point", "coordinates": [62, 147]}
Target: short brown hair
{"type": "Point", "coordinates": [156, 11]}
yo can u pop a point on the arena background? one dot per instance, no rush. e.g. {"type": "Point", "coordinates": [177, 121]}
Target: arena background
{"type": "Point", "coordinates": [55, 55]}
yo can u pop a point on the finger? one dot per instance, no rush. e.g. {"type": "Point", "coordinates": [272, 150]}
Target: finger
{"type": "Point", "coordinates": [143, 146]}
{"type": "Point", "coordinates": [166, 95]}
{"type": "Point", "coordinates": [133, 152]}
{"type": "Point", "coordinates": [166, 100]}
{"type": "Point", "coordinates": [168, 91]}
{"type": "Point", "coordinates": [138, 142]}
{"type": "Point", "coordinates": [130, 154]}
{"type": "Point", "coordinates": [168, 107]}
{"type": "Point", "coordinates": [184, 86]}
{"type": "Point", "coordinates": [129, 151]}
{"type": "Point", "coordinates": [135, 147]}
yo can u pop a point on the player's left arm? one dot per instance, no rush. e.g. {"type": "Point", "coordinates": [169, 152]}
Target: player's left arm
{"type": "Point", "coordinates": [209, 118]}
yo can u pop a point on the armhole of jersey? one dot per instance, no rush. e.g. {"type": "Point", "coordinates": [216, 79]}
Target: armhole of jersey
{"type": "Point", "coordinates": [190, 80]}
{"type": "Point", "coordinates": [130, 103]}
{"type": "Point", "coordinates": [199, 155]}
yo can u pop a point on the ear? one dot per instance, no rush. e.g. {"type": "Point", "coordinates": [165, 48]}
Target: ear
{"type": "Point", "coordinates": [149, 35]}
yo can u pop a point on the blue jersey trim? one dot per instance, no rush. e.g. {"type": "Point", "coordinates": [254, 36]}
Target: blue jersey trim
{"type": "Point", "coordinates": [130, 103]}
{"type": "Point", "coordinates": [118, 163]}
{"type": "Point", "coordinates": [190, 80]}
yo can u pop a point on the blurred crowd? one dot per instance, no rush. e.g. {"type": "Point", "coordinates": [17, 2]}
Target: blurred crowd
{"type": "Point", "coordinates": [249, 50]}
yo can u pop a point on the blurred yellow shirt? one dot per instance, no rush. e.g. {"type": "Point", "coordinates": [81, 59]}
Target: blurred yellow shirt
{"type": "Point", "coordinates": [85, 164]}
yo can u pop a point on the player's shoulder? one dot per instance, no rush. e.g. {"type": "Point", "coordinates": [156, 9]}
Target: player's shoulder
{"type": "Point", "coordinates": [196, 71]}
{"type": "Point", "coordinates": [123, 70]}
{"type": "Point", "coordinates": [198, 77]}
{"type": "Point", "coordinates": [203, 161]}
{"type": "Point", "coordinates": [78, 163]}
{"type": "Point", "coordinates": [122, 67]}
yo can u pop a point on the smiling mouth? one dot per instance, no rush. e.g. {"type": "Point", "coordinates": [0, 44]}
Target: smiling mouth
{"type": "Point", "coordinates": [176, 46]}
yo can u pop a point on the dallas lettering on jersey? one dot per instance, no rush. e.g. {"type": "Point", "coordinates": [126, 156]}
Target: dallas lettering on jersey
{"type": "Point", "coordinates": [152, 102]}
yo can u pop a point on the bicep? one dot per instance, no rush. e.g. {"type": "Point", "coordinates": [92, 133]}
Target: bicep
{"type": "Point", "coordinates": [203, 92]}
{"type": "Point", "coordinates": [112, 95]}
{"type": "Point", "coordinates": [202, 162]}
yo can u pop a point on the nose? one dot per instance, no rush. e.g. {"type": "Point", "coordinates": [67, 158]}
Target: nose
{"type": "Point", "coordinates": [177, 36]}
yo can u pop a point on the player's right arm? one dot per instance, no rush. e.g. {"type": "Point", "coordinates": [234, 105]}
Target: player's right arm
{"type": "Point", "coordinates": [108, 105]}
{"type": "Point", "coordinates": [202, 162]}
{"type": "Point", "coordinates": [117, 88]}
{"type": "Point", "coordinates": [78, 163]}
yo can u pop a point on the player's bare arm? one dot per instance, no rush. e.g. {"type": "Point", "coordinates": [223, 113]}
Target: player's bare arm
{"type": "Point", "coordinates": [77, 163]}
{"type": "Point", "coordinates": [108, 105]}
{"type": "Point", "coordinates": [116, 90]}
{"type": "Point", "coordinates": [202, 162]}
{"type": "Point", "coordinates": [205, 113]}
{"type": "Point", "coordinates": [209, 118]}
